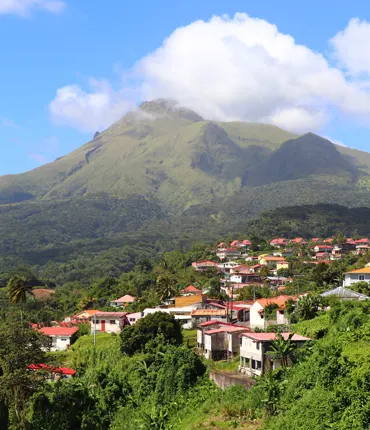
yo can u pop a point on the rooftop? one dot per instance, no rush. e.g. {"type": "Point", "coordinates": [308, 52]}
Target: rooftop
{"type": "Point", "coordinates": [125, 299]}
{"type": "Point", "coordinates": [268, 337]}
{"type": "Point", "coordinates": [110, 314]}
{"type": "Point", "coordinates": [209, 312]}
{"type": "Point", "coordinates": [363, 270]}
{"type": "Point", "coordinates": [58, 331]}
{"type": "Point", "coordinates": [280, 300]}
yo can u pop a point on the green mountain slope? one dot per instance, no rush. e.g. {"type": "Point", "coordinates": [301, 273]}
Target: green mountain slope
{"type": "Point", "coordinates": [171, 154]}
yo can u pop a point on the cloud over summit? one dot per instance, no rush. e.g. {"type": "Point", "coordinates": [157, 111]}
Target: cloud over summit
{"type": "Point", "coordinates": [238, 68]}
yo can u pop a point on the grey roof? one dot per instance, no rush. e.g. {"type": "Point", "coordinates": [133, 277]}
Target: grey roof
{"type": "Point", "coordinates": [345, 293]}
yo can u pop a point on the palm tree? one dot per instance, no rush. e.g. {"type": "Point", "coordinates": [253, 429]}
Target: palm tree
{"type": "Point", "coordinates": [307, 307]}
{"type": "Point", "coordinates": [19, 291]}
{"type": "Point", "coordinates": [282, 348]}
{"type": "Point", "coordinates": [166, 287]}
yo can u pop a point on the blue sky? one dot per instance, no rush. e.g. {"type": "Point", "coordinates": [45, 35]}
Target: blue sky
{"type": "Point", "coordinates": [69, 67]}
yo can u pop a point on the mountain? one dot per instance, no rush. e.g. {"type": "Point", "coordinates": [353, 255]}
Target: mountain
{"type": "Point", "coordinates": [163, 177]}
{"type": "Point", "coordinates": [171, 154]}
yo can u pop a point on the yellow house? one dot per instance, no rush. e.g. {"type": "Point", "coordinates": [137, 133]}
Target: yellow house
{"type": "Point", "coordinates": [282, 265]}
{"type": "Point", "coordinates": [271, 260]}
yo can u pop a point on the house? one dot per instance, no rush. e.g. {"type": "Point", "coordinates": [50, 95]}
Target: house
{"type": "Point", "coordinates": [123, 301]}
{"type": "Point", "coordinates": [222, 343]}
{"type": "Point", "coordinates": [283, 253]}
{"type": "Point", "coordinates": [316, 240]}
{"type": "Point", "coordinates": [204, 265]}
{"type": "Point", "coordinates": [281, 265]}
{"type": "Point", "coordinates": [271, 260]}
{"type": "Point", "coordinates": [361, 248]}
{"type": "Point", "coordinates": [61, 337]}
{"type": "Point", "coordinates": [208, 325]}
{"type": "Point", "coordinates": [85, 315]}
{"type": "Point", "coordinates": [255, 359]}
{"type": "Point", "coordinates": [245, 277]}
{"type": "Point", "coordinates": [298, 241]}
{"type": "Point", "coordinates": [279, 242]}
{"type": "Point", "coordinates": [258, 318]}
{"type": "Point", "coordinates": [235, 244]}
{"type": "Point", "coordinates": [134, 317]}
{"type": "Point", "coordinates": [355, 276]}
{"type": "Point", "coordinates": [109, 322]}
{"type": "Point", "coordinates": [320, 256]}
{"type": "Point", "coordinates": [195, 301]}
{"type": "Point", "coordinates": [252, 258]}
{"type": "Point", "coordinates": [53, 373]}
{"type": "Point", "coordinates": [329, 240]}
{"type": "Point", "coordinates": [221, 245]}
{"type": "Point", "coordinates": [362, 241]}
{"type": "Point", "coordinates": [205, 315]}
{"type": "Point", "coordinates": [345, 294]}
{"type": "Point", "coordinates": [228, 266]}
{"type": "Point", "coordinates": [228, 253]}
{"type": "Point", "coordinates": [190, 291]}
{"type": "Point", "coordinates": [322, 248]}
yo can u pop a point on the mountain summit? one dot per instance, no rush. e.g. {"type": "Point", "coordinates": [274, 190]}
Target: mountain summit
{"type": "Point", "coordinates": [165, 152]}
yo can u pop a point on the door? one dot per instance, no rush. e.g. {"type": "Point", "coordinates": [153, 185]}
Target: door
{"type": "Point", "coordinates": [103, 326]}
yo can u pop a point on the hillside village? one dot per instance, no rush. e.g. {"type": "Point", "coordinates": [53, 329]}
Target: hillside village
{"type": "Point", "coordinates": [229, 325]}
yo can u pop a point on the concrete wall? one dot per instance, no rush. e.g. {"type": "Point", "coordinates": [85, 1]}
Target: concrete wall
{"type": "Point", "coordinates": [224, 380]}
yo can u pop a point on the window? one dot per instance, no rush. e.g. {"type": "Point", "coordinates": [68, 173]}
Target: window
{"type": "Point", "coordinates": [241, 341]}
{"type": "Point", "coordinates": [361, 277]}
{"type": "Point", "coordinates": [258, 346]}
{"type": "Point", "coordinates": [63, 339]}
{"type": "Point", "coordinates": [132, 319]}
{"type": "Point", "coordinates": [112, 322]}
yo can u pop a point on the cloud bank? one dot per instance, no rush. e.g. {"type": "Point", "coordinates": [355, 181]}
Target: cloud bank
{"type": "Point", "coordinates": [24, 7]}
{"type": "Point", "coordinates": [238, 68]}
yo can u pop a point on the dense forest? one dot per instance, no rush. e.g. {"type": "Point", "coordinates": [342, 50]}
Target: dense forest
{"type": "Point", "coordinates": [85, 240]}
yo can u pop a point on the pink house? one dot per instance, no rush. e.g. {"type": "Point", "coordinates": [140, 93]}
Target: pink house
{"type": "Point", "coordinates": [279, 242]}
{"type": "Point", "coordinates": [123, 301]}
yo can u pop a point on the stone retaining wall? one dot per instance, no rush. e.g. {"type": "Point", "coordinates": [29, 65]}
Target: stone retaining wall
{"type": "Point", "coordinates": [226, 379]}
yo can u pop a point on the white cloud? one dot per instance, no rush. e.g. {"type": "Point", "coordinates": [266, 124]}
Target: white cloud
{"type": "Point", "coordinates": [351, 47]}
{"type": "Point", "coordinates": [238, 68]}
{"type": "Point", "coordinates": [24, 7]}
{"type": "Point", "coordinates": [335, 141]}
{"type": "Point", "coordinates": [89, 111]}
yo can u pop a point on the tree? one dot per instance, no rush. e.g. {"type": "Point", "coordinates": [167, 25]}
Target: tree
{"type": "Point", "coordinates": [284, 273]}
{"type": "Point", "coordinates": [19, 347]}
{"type": "Point", "coordinates": [282, 349]}
{"type": "Point", "coordinates": [166, 287]}
{"type": "Point", "coordinates": [134, 338]}
{"type": "Point", "coordinates": [19, 291]}
{"type": "Point", "coordinates": [307, 307]}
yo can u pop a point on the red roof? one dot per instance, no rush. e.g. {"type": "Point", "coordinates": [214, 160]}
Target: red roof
{"type": "Point", "coordinates": [316, 239]}
{"type": "Point", "coordinates": [221, 245]}
{"type": "Point", "coordinates": [58, 331]}
{"type": "Point", "coordinates": [110, 314]}
{"type": "Point", "coordinates": [364, 240]}
{"type": "Point", "coordinates": [191, 289]}
{"type": "Point", "coordinates": [329, 240]}
{"type": "Point", "coordinates": [227, 329]}
{"type": "Point", "coordinates": [213, 322]}
{"type": "Point", "coordinates": [204, 263]}
{"type": "Point", "coordinates": [323, 246]}
{"type": "Point", "coordinates": [63, 370]}
{"type": "Point", "coordinates": [125, 299]}
{"type": "Point", "coordinates": [234, 243]}
{"type": "Point", "coordinates": [266, 337]}
{"type": "Point", "coordinates": [279, 241]}
{"type": "Point", "coordinates": [298, 240]}
{"type": "Point", "coordinates": [246, 242]}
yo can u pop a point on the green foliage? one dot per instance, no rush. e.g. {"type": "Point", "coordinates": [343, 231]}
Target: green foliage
{"type": "Point", "coordinates": [135, 338]}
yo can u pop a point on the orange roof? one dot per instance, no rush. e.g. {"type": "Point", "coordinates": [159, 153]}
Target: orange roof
{"type": "Point", "coordinates": [280, 300]}
{"type": "Point", "coordinates": [191, 289]}
{"type": "Point", "coordinates": [363, 270]}
{"type": "Point", "coordinates": [89, 312]}
{"type": "Point", "coordinates": [209, 312]}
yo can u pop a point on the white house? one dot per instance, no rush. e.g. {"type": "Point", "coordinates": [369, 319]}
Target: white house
{"type": "Point", "coordinates": [109, 322]}
{"type": "Point", "coordinates": [355, 276]}
{"type": "Point", "coordinates": [182, 314]}
{"type": "Point", "coordinates": [61, 337]}
{"type": "Point", "coordinates": [134, 317]}
{"type": "Point", "coordinates": [254, 349]}
{"type": "Point", "coordinates": [257, 311]}
{"type": "Point", "coordinates": [222, 254]}
{"type": "Point", "coordinates": [221, 343]}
